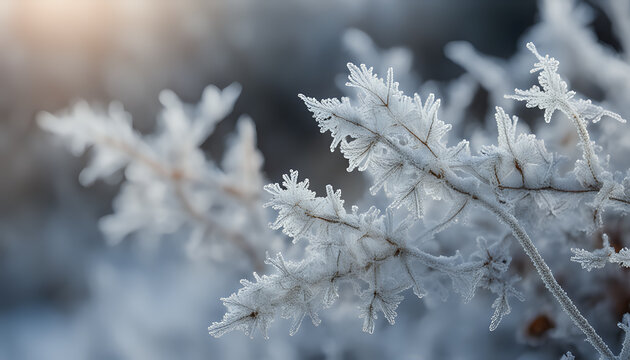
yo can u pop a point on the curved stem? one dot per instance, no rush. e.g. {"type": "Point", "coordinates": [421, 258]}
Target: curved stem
{"type": "Point", "coordinates": [551, 283]}
{"type": "Point", "coordinates": [541, 267]}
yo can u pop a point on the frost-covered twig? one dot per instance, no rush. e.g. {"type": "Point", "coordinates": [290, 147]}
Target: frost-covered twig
{"type": "Point", "coordinates": [555, 95]}
{"type": "Point", "coordinates": [597, 259]}
{"type": "Point", "coordinates": [170, 184]}
{"type": "Point", "coordinates": [352, 247]}
{"type": "Point", "coordinates": [400, 141]}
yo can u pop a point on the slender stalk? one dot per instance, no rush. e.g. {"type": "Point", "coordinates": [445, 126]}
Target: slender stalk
{"type": "Point", "coordinates": [550, 281]}
{"type": "Point", "coordinates": [541, 267]}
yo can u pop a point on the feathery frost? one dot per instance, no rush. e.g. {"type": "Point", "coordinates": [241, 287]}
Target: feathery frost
{"type": "Point", "coordinates": [597, 259]}
{"type": "Point", "coordinates": [368, 249]}
{"type": "Point", "coordinates": [402, 142]}
{"type": "Point", "coordinates": [169, 184]}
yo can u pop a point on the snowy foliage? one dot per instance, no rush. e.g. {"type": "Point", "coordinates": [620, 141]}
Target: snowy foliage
{"type": "Point", "coordinates": [555, 95]}
{"type": "Point", "coordinates": [598, 258]}
{"type": "Point", "coordinates": [347, 247]}
{"type": "Point", "coordinates": [440, 193]}
{"type": "Point", "coordinates": [170, 185]}
{"type": "Point", "coordinates": [401, 142]}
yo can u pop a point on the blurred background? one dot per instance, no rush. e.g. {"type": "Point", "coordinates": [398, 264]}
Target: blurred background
{"type": "Point", "coordinates": [65, 294]}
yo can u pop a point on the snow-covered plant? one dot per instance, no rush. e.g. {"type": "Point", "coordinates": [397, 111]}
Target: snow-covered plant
{"type": "Point", "coordinates": [234, 195]}
{"type": "Point", "coordinates": [401, 142]}
{"type": "Point", "coordinates": [597, 259]}
{"type": "Point", "coordinates": [170, 185]}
